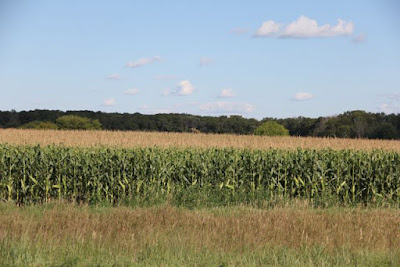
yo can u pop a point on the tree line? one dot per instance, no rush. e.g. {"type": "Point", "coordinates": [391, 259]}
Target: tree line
{"type": "Point", "coordinates": [352, 124]}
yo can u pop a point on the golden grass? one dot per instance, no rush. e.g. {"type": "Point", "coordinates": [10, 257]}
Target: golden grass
{"type": "Point", "coordinates": [149, 139]}
{"type": "Point", "coordinates": [225, 230]}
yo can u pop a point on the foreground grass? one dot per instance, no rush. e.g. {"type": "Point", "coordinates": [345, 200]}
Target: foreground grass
{"type": "Point", "coordinates": [30, 254]}
{"type": "Point", "coordinates": [294, 235]}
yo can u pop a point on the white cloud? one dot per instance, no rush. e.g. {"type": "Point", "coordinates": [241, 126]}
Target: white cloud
{"type": "Point", "coordinates": [142, 61]}
{"type": "Point", "coordinates": [205, 61]}
{"type": "Point", "coordinates": [114, 76]}
{"type": "Point", "coordinates": [227, 93]}
{"type": "Point", "coordinates": [132, 91]}
{"type": "Point", "coordinates": [390, 108]}
{"type": "Point", "coordinates": [361, 38]}
{"type": "Point", "coordinates": [185, 88]}
{"type": "Point", "coordinates": [210, 108]}
{"type": "Point", "coordinates": [305, 27]}
{"type": "Point", "coordinates": [302, 96]}
{"type": "Point", "coordinates": [109, 102]}
{"type": "Point", "coordinates": [385, 108]}
{"type": "Point", "coordinates": [268, 28]}
{"type": "Point", "coordinates": [227, 107]}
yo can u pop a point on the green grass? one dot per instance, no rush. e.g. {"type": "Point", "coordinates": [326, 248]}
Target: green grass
{"type": "Point", "coordinates": [37, 253]}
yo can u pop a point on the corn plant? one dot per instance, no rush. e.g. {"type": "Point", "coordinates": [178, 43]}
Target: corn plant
{"type": "Point", "coordinates": [191, 176]}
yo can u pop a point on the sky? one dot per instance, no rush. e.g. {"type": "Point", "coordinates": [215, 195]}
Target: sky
{"type": "Point", "coordinates": [256, 59]}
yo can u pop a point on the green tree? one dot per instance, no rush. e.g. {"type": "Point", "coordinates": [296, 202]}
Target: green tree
{"type": "Point", "coordinates": [344, 131]}
{"type": "Point", "coordinates": [271, 128]}
{"type": "Point", "coordinates": [385, 131]}
{"type": "Point", "coordinates": [73, 122]}
{"type": "Point", "coordinates": [39, 125]}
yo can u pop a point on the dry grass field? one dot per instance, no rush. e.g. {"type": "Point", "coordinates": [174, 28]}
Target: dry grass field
{"type": "Point", "coordinates": [150, 139]}
{"type": "Point", "coordinates": [291, 235]}
{"type": "Point", "coordinates": [226, 229]}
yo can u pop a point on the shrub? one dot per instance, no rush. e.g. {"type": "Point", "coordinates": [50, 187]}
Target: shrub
{"type": "Point", "coordinates": [39, 125]}
{"type": "Point", "coordinates": [73, 122]}
{"type": "Point", "coordinates": [271, 128]}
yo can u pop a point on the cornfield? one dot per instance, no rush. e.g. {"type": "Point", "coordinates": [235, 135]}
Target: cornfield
{"type": "Point", "coordinates": [195, 176]}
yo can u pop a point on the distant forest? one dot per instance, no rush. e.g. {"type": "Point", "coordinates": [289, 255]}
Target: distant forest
{"type": "Point", "coordinates": [352, 124]}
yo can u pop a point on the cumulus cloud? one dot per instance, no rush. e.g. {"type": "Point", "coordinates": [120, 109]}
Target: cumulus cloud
{"type": "Point", "coordinates": [227, 107]}
{"type": "Point", "coordinates": [227, 93]}
{"type": "Point", "coordinates": [109, 102]}
{"type": "Point", "coordinates": [361, 38]}
{"type": "Point", "coordinates": [142, 61]}
{"type": "Point", "coordinates": [302, 96]}
{"type": "Point", "coordinates": [185, 88]}
{"type": "Point", "coordinates": [132, 91]}
{"type": "Point", "coordinates": [304, 27]}
{"type": "Point", "coordinates": [114, 76]}
{"type": "Point", "coordinates": [205, 61]}
{"type": "Point", "coordinates": [268, 28]}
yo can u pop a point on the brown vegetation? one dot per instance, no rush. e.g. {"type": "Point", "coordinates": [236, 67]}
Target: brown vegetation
{"type": "Point", "coordinates": [225, 230]}
{"type": "Point", "coordinates": [146, 139]}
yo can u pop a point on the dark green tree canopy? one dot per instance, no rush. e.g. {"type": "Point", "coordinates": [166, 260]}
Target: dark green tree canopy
{"type": "Point", "coordinates": [351, 124]}
{"type": "Point", "coordinates": [73, 122]}
{"type": "Point", "coordinates": [271, 128]}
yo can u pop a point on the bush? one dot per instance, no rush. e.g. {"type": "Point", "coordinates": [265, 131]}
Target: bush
{"type": "Point", "coordinates": [271, 128]}
{"type": "Point", "coordinates": [73, 122]}
{"type": "Point", "coordinates": [39, 125]}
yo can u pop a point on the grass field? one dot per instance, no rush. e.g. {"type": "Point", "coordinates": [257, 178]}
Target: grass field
{"type": "Point", "coordinates": [113, 199]}
{"type": "Point", "coordinates": [293, 235]}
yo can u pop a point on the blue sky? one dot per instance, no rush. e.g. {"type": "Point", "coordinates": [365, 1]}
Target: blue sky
{"type": "Point", "coordinates": [252, 58]}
